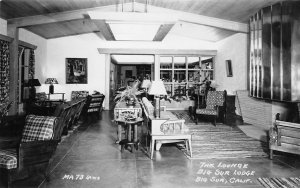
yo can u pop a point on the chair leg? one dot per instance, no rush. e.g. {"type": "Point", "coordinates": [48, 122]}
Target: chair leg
{"type": "Point", "coordinates": [152, 147]}
{"type": "Point", "coordinates": [196, 117]}
{"type": "Point", "coordinates": [271, 154]}
{"type": "Point", "coordinates": [215, 121]}
{"type": "Point", "coordinates": [190, 147]}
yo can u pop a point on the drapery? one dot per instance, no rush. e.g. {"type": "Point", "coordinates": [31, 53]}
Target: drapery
{"type": "Point", "coordinates": [4, 72]}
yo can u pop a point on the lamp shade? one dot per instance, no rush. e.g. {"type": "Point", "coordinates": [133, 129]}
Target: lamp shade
{"type": "Point", "coordinates": [146, 84]}
{"type": "Point", "coordinates": [51, 81]}
{"type": "Point", "coordinates": [34, 82]}
{"type": "Point", "coordinates": [157, 88]}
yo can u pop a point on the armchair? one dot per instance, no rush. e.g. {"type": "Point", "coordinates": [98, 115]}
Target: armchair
{"type": "Point", "coordinates": [34, 150]}
{"type": "Point", "coordinates": [214, 100]}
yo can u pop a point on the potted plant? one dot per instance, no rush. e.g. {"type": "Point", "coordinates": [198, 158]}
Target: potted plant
{"type": "Point", "coordinates": [129, 94]}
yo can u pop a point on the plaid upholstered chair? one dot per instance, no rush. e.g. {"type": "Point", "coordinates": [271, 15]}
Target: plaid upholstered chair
{"type": "Point", "coordinates": [214, 101]}
{"type": "Point", "coordinates": [34, 150]}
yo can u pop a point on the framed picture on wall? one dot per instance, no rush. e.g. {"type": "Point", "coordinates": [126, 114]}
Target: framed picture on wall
{"type": "Point", "coordinates": [76, 70]}
{"type": "Point", "coordinates": [229, 68]}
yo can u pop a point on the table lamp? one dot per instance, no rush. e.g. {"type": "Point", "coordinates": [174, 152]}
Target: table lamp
{"type": "Point", "coordinates": [32, 91]}
{"type": "Point", "coordinates": [51, 81]}
{"type": "Point", "coordinates": [157, 89]}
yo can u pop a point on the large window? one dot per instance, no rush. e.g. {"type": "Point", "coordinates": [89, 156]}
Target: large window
{"type": "Point", "coordinates": [184, 74]}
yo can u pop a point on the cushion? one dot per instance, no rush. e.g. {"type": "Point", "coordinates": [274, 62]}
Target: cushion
{"type": "Point", "coordinates": [38, 128]}
{"type": "Point", "coordinates": [79, 94]}
{"type": "Point", "coordinates": [8, 159]}
{"type": "Point", "coordinates": [148, 105]}
{"type": "Point", "coordinates": [206, 111]}
{"type": "Point", "coordinates": [214, 98]}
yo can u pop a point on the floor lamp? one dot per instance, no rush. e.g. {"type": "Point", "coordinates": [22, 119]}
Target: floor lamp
{"type": "Point", "coordinates": [157, 89]}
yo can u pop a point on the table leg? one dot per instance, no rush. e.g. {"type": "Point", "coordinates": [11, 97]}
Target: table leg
{"type": "Point", "coordinates": [129, 133]}
{"type": "Point", "coordinates": [135, 133]}
{"type": "Point", "coordinates": [119, 132]}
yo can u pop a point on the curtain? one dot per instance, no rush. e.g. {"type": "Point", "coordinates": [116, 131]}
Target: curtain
{"type": "Point", "coordinates": [31, 68]}
{"type": "Point", "coordinates": [4, 72]}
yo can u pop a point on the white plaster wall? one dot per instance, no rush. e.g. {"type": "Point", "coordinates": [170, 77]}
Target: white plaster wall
{"type": "Point", "coordinates": [81, 46]}
{"type": "Point", "coordinates": [3, 26]}
{"type": "Point", "coordinates": [40, 52]}
{"type": "Point", "coordinates": [232, 48]}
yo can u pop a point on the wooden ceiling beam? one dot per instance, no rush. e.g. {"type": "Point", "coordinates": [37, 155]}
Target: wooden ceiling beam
{"type": "Point", "coordinates": [201, 20]}
{"type": "Point", "coordinates": [162, 32]}
{"type": "Point", "coordinates": [104, 30]}
{"type": "Point", "coordinates": [57, 17]}
{"type": "Point", "coordinates": [82, 14]}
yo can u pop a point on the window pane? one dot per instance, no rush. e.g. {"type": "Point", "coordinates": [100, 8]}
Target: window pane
{"type": "Point", "coordinates": [179, 76]}
{"type": "Point", "coordinates": [166, 75]}
{"type": "Point", "coordinates": [179, 63]}
{"type": "Point", "coordinates": [166, 62]}
{"type": "Point", "coordinates": [194, 76]}
{"type": "Point", "coordinates": [193, 62]}
{"type": "Point", "coordinates": [207, 63]}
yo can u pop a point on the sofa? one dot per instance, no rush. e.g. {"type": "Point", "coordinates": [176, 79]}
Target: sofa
{"type": "Point", "coordinates": [166, 129]}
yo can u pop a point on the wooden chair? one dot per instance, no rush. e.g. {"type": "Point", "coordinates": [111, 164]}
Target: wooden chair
{"type": "Point", "coordinates": [94, 105]}
{"type": "Point", "coordinates": [62, 112]}
{"type": "Point", "coordinates": [33, 152]}
{"type": "Point", "coordinates": [284, 137]}
{"type": "Point", "coordinates": [214, 100]}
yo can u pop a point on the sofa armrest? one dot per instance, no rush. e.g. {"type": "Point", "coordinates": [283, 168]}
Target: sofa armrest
{"type": "Point", "coordinates": [172, 126]}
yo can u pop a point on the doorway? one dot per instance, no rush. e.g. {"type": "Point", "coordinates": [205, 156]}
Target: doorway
{"type": "Point", "coordinates": [125, 69]}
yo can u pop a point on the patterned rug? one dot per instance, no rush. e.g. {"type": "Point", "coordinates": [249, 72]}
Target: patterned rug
{"type": "Point", "coordinates": [221, 141]}
{"type": "Point", "coordinates": [280, 182]}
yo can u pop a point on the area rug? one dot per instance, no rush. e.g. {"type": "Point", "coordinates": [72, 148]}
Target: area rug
{"type": "Point", "coordinates": [222, 141]}
{"type": "Point", "coordinates": [280, 182]}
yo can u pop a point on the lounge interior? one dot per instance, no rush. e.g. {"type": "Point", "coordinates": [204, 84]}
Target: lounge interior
{"type": "Point", "coordinates": [149, 93]}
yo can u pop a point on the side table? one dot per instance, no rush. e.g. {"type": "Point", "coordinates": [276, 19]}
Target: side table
{"type": "Point", "coordinates": [131, 139]}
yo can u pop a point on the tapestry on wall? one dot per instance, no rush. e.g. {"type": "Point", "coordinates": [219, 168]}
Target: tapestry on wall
{"type": "Point", "coordinates": [76, 70]}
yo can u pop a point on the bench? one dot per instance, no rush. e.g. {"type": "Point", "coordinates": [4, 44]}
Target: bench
{"type": "Point", "coordinates": [166, 129]}
{"type": "Point", "coordinates": [285, 137]}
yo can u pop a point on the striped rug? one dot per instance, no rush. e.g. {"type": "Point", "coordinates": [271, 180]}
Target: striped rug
{"type": "Point", "coordinates": [280, 182]}
{"type": "Point", "coordinates": [222, 141]}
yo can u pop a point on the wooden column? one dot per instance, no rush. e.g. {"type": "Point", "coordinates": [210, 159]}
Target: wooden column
{"type": "Point", "coordinates": [107, 81]}
{"type": "Point", "coordinates": [156, 67]}
{"type": "Point", "coordinates": [13, 32]}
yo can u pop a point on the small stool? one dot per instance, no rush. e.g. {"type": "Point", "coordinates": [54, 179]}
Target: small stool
{"type": "Point", "coordinates": [131, 138]}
